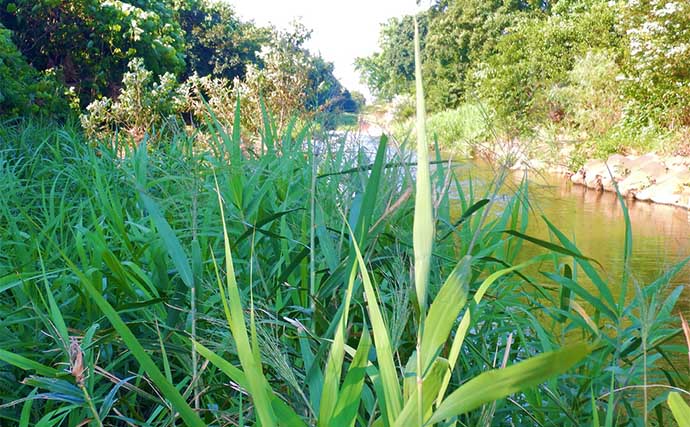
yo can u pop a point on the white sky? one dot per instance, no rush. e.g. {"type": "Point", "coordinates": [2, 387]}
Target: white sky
{"type": "Point", "coordinates": [342, 29]}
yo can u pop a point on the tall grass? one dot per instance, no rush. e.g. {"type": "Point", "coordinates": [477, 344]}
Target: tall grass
{"type": "Point", "coordinates": [197, 283]}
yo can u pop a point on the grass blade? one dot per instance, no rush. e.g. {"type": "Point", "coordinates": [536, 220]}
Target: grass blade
{"type": "Point", "coordinates": [26, 364]}
{"type": "Point", "coordinates": [329, 393]}
{"type": "Point", "coordinates": [283, 412]}
{"type": "Point", "coordinates": [444, 311]}
{"type": "Point", "coordinates": [345, 412]}
{"type": "Point", "coordinates": [167, 389]}
{"type": "Point", "coordinates": [680, 409]}
{"type": "Point", "coordinates": [256, 382]}
{"type": "Point", "coordinates": [493, 385]}
{"type": "Point", "coordinates": [172, 243]}
{"type": "Point", "coordinates": [384, 351]}
{"type": "Point", "coordinates": [423, 227]}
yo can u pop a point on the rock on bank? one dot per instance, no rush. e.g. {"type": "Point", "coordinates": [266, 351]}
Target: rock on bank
{"type": "Point", "coordinates": [664, 180]}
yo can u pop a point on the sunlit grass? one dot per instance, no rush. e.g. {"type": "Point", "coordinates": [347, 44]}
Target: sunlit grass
{"type": "Point", "coordinates": [175, 284]}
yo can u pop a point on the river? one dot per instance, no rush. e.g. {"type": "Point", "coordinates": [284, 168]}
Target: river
{"type": "Point", "coordinates": [595, 222]}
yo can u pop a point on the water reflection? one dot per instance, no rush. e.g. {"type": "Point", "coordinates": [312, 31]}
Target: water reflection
{"type": "Point", "coordinates": [595, 221]}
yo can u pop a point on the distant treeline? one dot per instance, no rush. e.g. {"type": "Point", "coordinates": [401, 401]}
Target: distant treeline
{"type": "Point", "coordinates": [60, 56]}
{"type": "Point", "coordinates": [590, 64]}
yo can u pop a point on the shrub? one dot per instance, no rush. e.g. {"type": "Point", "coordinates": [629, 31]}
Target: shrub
{"type": "Point", "coordinates": [537, 55]}
{"type": "Point", "coordinates": [23, 90]}
{"type": "Point", "coordinates": [143, 106]}
{"type": "Point", "coordinates": [91, 42]}
{"type": "Point", "coordinates": [657, 62]}
{"type": "Point", "coordinates": [591, 96]}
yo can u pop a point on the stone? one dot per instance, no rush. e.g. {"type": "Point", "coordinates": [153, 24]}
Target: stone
{"type": "Point", "coordinates": [677, 164]}
{"type": "Point", "coordinates": [636, 181]}
{"type": "Point", "coordinates": [578, 177]}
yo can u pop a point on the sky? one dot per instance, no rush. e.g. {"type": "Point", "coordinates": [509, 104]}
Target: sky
{"type": "Point", "coordinates": [342, 29]}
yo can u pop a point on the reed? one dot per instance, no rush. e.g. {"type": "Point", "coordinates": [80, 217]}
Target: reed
{"type": "Point", "coordinates": [195, 283]}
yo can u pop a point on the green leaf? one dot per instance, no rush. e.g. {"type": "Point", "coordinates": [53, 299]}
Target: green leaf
{"type": "Point", "coordinates": [384, 350]}
{"type": "Point", "coordinates": [256, 382]}
{"type": "Point", "coordinates": [550, 246]}
{"type": "Point", "coordinates": [466, 215]}
{"type": "Point", "coordinates": [331, 380]}
{"type": "Point", "coordinates": [464, 325]}
{"type": "Point", "coordinates": [564, 294]}
{"type": "Point", "coordinates": [26, 364]}
{"type": "Point", "coordinates": [423, 226]}
{"type": "Point", "coordinates": [584, 264]}
{"type": "Point", "coordinates": [680, 409]}
{"type": "Point", "coordinates": [497, 384]}
{"type": "Point", "coordinates": [167, 389]}
{"type": "Point", "coordinates": [431, 384]}
{"type": "Point", "coordinates": [285, 415]}
{"type": "Point", "coordinates": [345, 412]}
{"type": "Point", "coordinates": [582, 293]}
{"type": "Point", "coordinates": [444, 310]}
{"type": "Point", "coordinates": [172, 244]}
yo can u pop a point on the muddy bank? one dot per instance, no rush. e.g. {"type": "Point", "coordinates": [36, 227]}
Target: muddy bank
{"type": "Point", "coordinates": [652, 178]}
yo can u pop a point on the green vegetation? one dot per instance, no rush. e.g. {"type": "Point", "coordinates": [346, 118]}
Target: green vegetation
{"type": "Point", "coordinates": [23, 90]}
{"type": "Point", "coordinates": [459, 130]}
{"type": "Point", "coordinates": [117, 58]}
{"type": "Point", "coordinates": [199, 250]}
{"type": "Point", "coordinates": [157, 276]}
{"type": "Point", "coordinates": [593, 71]}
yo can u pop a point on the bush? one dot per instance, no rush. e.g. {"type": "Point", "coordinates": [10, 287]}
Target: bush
{"type": "Point", "coordinates": [657, 62]}
{"type": "Point", "coordinates": [458, 129]}
{"type": "Point", "coordinates": [537, 55]}
{"type": "Point", "coordinates": [591, 96]}
{"type": "Point", "coordinates": [143, 106]}
{"type": "Point", "coordinates": [23, 90]}
{"type": "Point", "coordinates": [91, 42]}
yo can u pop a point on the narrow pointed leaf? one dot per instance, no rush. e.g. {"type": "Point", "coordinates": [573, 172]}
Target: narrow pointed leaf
{"type": "Point", "coordinates": [680, 409]}
{"type": "Point", "coordinates": [423, 227]}
{"type": "Point", "coordinates": [444, 310]}
{"type": "Point", "coordinates": [384, 351]}
{"type": "Point", "coordinates": [351, 393]}
{"type": "Point", "coordinates": [499, 383]}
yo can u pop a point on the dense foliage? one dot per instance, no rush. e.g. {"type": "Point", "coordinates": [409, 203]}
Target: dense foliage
{"type": "Point", "coordinates": [192, 282]}
{"type": "Point", "coordinates": [23, 90]}
{"type": "Point", "coordinates": [82, 52]}
{"type": "Point", "coordinates": [531, 63]}
{"type": "Point", "coordinates": [115, 273]}
{"type": "Point", "coordinates": [90, 42]}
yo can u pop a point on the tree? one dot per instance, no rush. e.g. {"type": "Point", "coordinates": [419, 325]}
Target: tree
{"type": "Point", "coordinates": [23, 90]}
{"type": "Point", "coordinates": [217, 42]}
{"type": "Point", "coordinates": [390, 71]}
{"type": "Point", "coordinates": [536, 55]}
{"type": "Point", "coordinates": [90, 42]}
{"type": "Point", "coordinates": [461, 34]}
{"type": "Point", "coordinates": [657, 62]}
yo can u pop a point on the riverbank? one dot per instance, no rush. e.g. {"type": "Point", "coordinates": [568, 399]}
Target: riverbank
{"type": "Point", "coordinates": [650, 177]}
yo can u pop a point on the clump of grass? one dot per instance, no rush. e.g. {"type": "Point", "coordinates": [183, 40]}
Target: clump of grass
{"type": "Point", "coordinates": [173, 264]}
{"type": "Point", "coordinates": [457, 130]}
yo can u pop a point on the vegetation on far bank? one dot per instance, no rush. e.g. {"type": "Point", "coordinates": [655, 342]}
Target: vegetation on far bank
{"type": "Point", "coordinates": [607, 76]}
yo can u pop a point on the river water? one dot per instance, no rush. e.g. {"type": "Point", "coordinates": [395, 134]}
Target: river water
{"type": "Point", "coordinates": [595, 222]}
